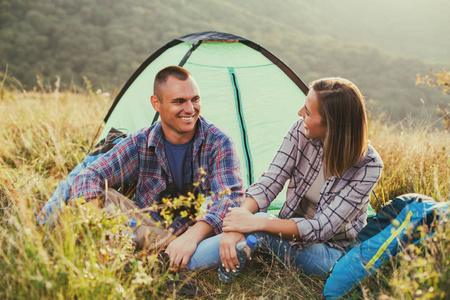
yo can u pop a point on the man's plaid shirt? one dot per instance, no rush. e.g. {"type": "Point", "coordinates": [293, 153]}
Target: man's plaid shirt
{"type": "Point", "coordinates": [140, 158]}
{"type": "Point", "coordinates": [342, 208]}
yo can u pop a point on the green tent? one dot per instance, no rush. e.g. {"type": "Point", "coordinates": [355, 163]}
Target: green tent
{"type": "Point", "coordinates": [244, 88]}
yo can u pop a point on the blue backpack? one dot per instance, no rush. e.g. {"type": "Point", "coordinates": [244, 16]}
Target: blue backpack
{"type": "Point", "coordinates": [385, 235]}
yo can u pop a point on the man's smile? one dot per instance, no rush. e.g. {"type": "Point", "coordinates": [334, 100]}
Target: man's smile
{"type": "Point", "coordinates": [188, 118]}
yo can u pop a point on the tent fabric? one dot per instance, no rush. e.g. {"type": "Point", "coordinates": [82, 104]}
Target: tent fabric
{"type": "Point", "coordinates": [391, 231]}
{"type": "Point", "coordinates": [244, 89]}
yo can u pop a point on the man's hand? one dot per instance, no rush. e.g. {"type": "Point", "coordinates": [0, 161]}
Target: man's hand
{"type": "Point", "coordinates": [180, 251]}
{"type": "Point", "coordinates": [228, 254]}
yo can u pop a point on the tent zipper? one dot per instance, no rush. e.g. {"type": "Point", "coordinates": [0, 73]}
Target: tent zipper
{"type": "Point", "coordinates": [244, 135]}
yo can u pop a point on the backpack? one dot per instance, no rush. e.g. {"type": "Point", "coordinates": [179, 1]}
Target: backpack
{"type": "Point", "coordinates": [392, 229]}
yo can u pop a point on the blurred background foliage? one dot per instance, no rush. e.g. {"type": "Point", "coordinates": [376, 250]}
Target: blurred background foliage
{"type": "Point", "coordinates": [379, 45]}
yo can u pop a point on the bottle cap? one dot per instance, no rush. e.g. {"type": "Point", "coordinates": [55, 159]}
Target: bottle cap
{"type": "Point", "coordinates": [133, 222]}
{"type": "Point", "coordinates": [251, 240]}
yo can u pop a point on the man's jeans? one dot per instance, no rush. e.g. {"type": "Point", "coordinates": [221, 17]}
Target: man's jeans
{"type": "Point", "coordinates": [315, 259]}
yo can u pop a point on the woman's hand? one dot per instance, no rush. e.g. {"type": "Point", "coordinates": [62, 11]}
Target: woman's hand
{"type": "Point", "coordinates": [239, 219]}
{"type": "Point", "coordinates": [228, 254]}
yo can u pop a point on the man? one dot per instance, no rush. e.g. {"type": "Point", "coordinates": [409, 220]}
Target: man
{"type": "Point", "coordinates": [171, 152]}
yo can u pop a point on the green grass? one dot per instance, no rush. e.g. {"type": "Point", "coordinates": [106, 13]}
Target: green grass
{"type": "Point", "coordinates": [45, 135]}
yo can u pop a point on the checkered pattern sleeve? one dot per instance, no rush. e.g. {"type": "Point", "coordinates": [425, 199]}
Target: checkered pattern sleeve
{"type": "Point", "coordinates": [222, 174]}
{"type": "Point", "coordinates": [272, 181]}
{"type": "Point", "coordinates": [118, 166]}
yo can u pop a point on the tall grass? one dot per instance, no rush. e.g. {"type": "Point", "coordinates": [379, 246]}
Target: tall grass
{"type": "Point", "coordinates": [416, 158]}
{"type": "Point", "coordinates": [45, 135]}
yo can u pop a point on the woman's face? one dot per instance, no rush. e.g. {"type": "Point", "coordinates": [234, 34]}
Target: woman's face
{"type": "Point", "coordinates": [314, 127]}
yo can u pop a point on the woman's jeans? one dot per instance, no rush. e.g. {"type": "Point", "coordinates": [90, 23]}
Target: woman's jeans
{"type": "Point", "coordinates": [316, 259]}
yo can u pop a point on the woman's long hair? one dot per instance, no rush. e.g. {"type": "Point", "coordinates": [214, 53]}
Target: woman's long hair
{"type": "Point", "coordinates": [341, 106]}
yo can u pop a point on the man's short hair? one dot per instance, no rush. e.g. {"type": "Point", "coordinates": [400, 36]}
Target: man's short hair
{"type": "Point", "coordinates": [175, 71]}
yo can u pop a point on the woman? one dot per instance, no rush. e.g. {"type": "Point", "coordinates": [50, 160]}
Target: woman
{"type": "Point", "coordinates": [331, 170]}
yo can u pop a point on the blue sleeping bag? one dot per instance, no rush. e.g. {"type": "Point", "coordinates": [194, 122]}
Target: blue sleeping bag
{"type": "Point", "coordinates": [385, 235]}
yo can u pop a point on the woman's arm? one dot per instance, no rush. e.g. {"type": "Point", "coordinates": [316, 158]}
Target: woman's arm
{"type": "Point", "coordinates": [251, 205]}
{"type": "Point", "coordinates": [280, 170]}
{"type": "Point", "coordinates": [242, 219]}
{"type": "Point", "coordinates": [265, 190]}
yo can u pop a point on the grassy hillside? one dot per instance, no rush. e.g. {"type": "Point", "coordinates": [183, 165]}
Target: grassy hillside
{"type": "Point", "coordinates": [107, 40]}
{"type": "Point", "coordinates": [414, 28]}
{"type": "Point", "coordinates": [45, 135]}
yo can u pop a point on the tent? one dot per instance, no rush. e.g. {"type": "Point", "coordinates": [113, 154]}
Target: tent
{"type": "Point", "coordinates": [244, 90]}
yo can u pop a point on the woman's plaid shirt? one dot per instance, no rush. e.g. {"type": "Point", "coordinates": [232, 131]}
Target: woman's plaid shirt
{"type": "Point", "coordinates": [342, 208]}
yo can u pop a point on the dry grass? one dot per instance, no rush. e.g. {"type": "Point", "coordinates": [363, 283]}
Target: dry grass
{"type": "Point", "coordinates": [416, 158]}
{"type": "Point", "coordinates": [45, 135]}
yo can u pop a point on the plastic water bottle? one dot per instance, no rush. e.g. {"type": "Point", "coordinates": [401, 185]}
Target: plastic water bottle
{"type": "Point", "coordinates": [242, 248]}
{"type": "Point", "coordinates": [131, 232]}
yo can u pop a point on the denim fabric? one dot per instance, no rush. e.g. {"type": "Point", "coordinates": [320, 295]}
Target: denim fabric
{"type": "Point", "coordinates": [206, 256]}
{"type": "Point", "coordinates": [316, 259]}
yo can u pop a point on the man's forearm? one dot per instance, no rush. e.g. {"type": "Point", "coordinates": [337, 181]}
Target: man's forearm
{"type": "Point", "coordinates": [87, 185]}
{"type": "Point", "coordinates": [199, 231]}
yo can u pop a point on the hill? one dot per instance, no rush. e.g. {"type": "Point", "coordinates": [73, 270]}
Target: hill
{"type": "Point", "coordinates": [107, 40]}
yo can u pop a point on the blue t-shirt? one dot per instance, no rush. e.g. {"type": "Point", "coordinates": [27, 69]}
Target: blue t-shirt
{"type": "Point", "coordinates": [180, 162]}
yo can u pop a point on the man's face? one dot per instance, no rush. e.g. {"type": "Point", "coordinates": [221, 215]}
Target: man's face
{"type": "Point", "coordinates": [178, 103]}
